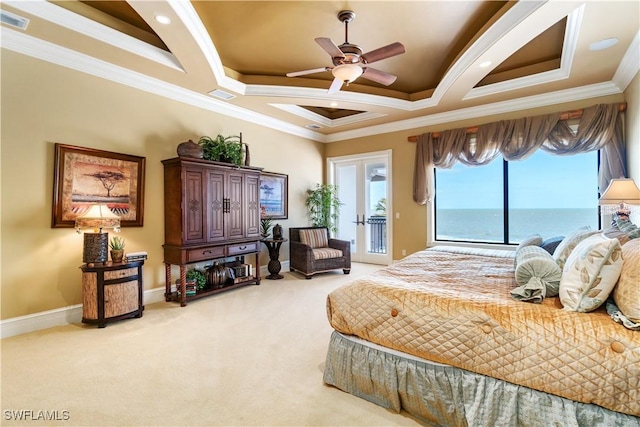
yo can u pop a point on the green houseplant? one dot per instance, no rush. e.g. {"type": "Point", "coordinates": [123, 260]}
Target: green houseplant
{"type": "Point", "coordinates": [226, 149]}
{"type": "Point", "coordinates": [323, 206]}
{"type": "Point", "coordinates": [117, 248]}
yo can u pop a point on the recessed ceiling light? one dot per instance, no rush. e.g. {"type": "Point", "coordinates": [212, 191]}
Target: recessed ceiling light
{"type": "Point", "coordinates": [485, 64]}
{"type": "Point", "coordinates": [603, 44]}
{"type": "Point", "coordinates": [163, 19]}
{"type": "Point", "coordinates": [333, 104]}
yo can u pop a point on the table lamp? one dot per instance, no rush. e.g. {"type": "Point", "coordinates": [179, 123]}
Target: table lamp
{"type": "Point", "coordinates": [96, 244]}
{"type": "Point", "coordinates": [621, 195]}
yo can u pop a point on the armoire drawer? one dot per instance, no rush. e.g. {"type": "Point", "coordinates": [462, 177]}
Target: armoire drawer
{"type": "Point", "coordinates": [242, 248]}
{"type": "Point", "coordinates": [203, 254]}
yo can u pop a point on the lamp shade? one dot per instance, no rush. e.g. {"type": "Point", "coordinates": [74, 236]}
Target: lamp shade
{"type": "Point", "coordinates": [619, 194]}
{"type": "Point", "coordinates": [347, 72]}
{"type": "Point", "coordinates": [96, 245]}
{"type": "Point", "coordinates": [98, 216]}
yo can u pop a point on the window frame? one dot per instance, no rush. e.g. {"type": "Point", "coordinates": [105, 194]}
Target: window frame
{"type": "Point", "coordinates": [432, 241]}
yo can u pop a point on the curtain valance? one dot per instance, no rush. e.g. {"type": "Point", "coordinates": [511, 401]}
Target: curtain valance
{"type": "Point", "coordinates": [599, 128]}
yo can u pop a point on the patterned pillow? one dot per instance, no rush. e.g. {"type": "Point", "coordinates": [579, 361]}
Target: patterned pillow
{"type": "Point", "coordinates": [533, 240]}
{"type": "Point", "coordinates": [590, 273]}
{"type": "Point", "coordinates": [567, 245]}
{"type": "Point", "coordinates": [626, 294]}
{"type": "Point", "coordinates": [314, 237]}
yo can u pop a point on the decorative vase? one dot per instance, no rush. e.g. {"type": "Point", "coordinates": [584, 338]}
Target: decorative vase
{"type": "Point", "coordinates": [190, 149]}
{"type": "Point", "coordinates": [277, 232]}
{"type": "Point", "coordinates": [117, 255]}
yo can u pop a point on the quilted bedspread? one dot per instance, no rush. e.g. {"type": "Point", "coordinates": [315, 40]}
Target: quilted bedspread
{"type": "Point", "coordinates": [452, 305]}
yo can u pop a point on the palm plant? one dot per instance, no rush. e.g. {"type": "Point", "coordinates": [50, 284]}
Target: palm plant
{"type": "Point", "coordinates": [323, 206]}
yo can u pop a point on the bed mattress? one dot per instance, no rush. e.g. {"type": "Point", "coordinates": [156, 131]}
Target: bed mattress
{"type": "Point", "coordinates": [452, 306]}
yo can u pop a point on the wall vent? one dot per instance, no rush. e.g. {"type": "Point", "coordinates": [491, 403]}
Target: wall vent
{"type": "Point", "coordinates": [13, 20]}
{"type": "Point", "coordinates": [221, 94]}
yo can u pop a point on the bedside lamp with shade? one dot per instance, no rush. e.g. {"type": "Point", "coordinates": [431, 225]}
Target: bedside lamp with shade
{"type": "Point", "coordinates": [96, 244]}
{"type": "Point", "coordinates": [621, 197]}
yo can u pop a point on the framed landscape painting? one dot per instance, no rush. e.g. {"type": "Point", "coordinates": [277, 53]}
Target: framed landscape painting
{"type": "Point", "coordinates": [85, 176]}
{"type": "Point", "coordinates": [273, 195]}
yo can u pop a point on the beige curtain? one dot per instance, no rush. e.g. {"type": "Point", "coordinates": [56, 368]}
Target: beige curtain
{"type": "Point", "coordinates": [600, 128]}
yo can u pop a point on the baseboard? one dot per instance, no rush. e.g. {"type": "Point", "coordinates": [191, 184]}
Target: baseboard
{"type": "Point", "coordinates": [73, 314]}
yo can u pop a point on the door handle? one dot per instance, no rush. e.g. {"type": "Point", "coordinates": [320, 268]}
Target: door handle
{"type": "Point", "coordinates": [357, 221]}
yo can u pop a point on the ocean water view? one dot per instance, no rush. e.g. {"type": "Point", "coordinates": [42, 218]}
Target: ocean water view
{"type": "Point", "coordinates": [486, 225]}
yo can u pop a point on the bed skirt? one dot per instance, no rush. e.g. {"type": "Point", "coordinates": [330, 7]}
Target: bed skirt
{"type": "Point", "coordinates": [442, 395]}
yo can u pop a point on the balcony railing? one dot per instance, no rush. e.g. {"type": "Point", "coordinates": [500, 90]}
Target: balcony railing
{"type": "Point", "coordinates": [378, 234]}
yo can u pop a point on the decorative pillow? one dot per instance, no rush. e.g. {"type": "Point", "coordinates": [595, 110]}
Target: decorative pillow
{"type": "Point", "coordinates": [626, 294]}
{"type": "Point", "coordinates": [314, 237]}
{"type": "Point", "coordinates": [567, 245]}
{"type": "Point", "coordinates": [590, 273]}
{"type": "Point", "coordinates": [551, 244]}
{"type": "Point", "coordinates": [533, 240]}
{"type": "Point", "coordinates": [537, 274]}
{"type": "Point", "coordinates": [614, 232]}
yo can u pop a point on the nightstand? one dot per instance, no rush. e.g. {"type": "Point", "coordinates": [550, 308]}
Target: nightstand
{"type": "Point", "coordinates": [111, 291]}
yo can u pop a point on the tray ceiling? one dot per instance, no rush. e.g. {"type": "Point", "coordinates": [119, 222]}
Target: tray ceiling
{"type": "Point", "coordinates": [538, 53]}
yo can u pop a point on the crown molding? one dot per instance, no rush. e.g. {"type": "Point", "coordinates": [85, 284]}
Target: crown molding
{"type": "Point", "coordinates": [571, 34]}
{"type": "Point", "coordinates": [629, 66]}
{"type": "Point", "coordinates": [55, 14]}
{"type": "Point", "coordinates": [47, 51]}
{"type": "Point", "coordinates": [528, 102]}
{"type": "Point", "coordinates": [324, 121]}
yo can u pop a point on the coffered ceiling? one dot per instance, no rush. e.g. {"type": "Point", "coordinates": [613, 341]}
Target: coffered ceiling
{"type": "Point", "coordinates": [463, 59]}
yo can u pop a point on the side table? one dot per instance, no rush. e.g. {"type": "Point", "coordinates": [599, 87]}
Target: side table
{"type": "Point", "coordinates": [111, 291]}
{"type": "Point", "coordinates": [274, 254]}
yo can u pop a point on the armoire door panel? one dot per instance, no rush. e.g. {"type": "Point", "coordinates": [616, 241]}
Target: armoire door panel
{"type": "Point", "coordinates": [194, 207]}
{"type": "Point", "coordinates": [235, 227]}
{"type": "Point", "coordinates": [252, 206]}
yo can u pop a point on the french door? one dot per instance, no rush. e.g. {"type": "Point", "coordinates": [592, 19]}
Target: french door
{"type": "Point", "coordinates": [364, 188]}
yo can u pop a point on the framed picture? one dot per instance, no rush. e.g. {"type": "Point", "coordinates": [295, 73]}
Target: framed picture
{"type": "Point", "coordinates": [84, 176]}
{"type": "Point", "coordinates": [273, 195]}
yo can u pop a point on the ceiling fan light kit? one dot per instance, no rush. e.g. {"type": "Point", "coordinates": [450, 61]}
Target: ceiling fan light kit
{"type": "Point", "coordinates": [349, 61]}
{"type": "Point", "coordinates": [347, 72]}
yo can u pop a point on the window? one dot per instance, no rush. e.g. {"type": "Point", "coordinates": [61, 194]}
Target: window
{"type": "Point", "coordinates": [504, 202]}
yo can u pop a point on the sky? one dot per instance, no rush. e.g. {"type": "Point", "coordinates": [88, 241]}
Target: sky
{"type": "Point", "coordinates": [541, 181]}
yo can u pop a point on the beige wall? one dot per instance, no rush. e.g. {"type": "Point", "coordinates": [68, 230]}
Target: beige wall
{"type": "Point", "coordinates": [43, 104]}
{"type": "Point", "coordinates": [632, 96]}
{"type": "Point", "coordinates": [410, 231]}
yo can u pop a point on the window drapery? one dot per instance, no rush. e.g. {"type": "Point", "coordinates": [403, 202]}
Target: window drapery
{"type": "Point", "coordinates": [599, 128]}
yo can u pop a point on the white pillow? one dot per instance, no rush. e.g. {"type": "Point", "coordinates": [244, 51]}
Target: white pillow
{"type": "Point", "coordinates": [590, 273]}
{"type": "Point", "coordinates": [567, 245]}
{"type": "Point", "coordinates": [627, 292]}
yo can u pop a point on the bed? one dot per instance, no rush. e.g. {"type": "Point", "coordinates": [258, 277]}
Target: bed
{"type": "Point", "coordinates": [439, 335]}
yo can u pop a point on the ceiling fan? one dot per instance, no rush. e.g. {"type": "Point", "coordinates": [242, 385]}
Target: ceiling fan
{"type": "Point", "coordinates": [349, 61]}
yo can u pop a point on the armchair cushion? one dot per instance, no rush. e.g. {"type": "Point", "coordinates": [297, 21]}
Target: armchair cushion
{"type": "Point", "coordinates": [326, 253]}
{"type": "Point", "coordinates": [315, 238]}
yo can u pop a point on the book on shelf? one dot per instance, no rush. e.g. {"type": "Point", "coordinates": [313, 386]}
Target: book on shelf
{"type": "Point", "coordinates": [136, 256]}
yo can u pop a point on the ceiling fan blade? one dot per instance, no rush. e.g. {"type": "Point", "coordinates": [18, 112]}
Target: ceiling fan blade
{"type": "Point", "coordinates": [335, 85]}
{"type": "Point", "coordinates": [330, 47]}
{"type": "Point", "coordinates": [384, 52]}
{"type": "Point", "coordinates": [305, 72]}
{"type": "Point", "coordinates": [378, 76]}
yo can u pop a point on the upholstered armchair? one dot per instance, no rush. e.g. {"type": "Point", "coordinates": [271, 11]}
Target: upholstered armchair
{"type": "Point", "coordinates": [313, 251]}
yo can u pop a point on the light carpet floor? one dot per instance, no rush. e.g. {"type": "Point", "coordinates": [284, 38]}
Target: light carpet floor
{"type": "Point", "coordinates": [249, 357]}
